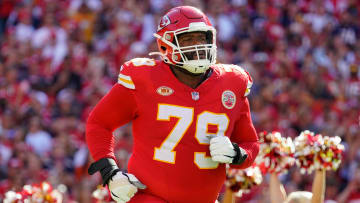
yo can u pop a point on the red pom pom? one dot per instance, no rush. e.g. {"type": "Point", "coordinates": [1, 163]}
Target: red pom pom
{"type": "Point", "coordinates": [276, 153]}
{"type": "Point", "coordinates": [243, 180]}
{"type": "Point", "coordinates": [314, 151]}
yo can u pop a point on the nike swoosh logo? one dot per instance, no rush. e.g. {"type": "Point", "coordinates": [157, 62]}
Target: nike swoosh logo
{"type": "Point", "coordinates": [114, 194]}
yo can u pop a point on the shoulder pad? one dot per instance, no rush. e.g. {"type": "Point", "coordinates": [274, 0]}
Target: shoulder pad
{"type": "Point", "coordinates": [124, 77]}
{"type": "Point", "coordinates": [249, 82]}
{"type": "Point", "coordinates": [237, 70]}
{"type": "Point", "coordinates": [141, 62]}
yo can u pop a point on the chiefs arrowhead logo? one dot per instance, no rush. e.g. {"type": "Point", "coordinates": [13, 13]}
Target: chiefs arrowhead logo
{"type": "Point", "coordinates": [164, 91]}
{"type": "Point", "coordinates": [165, 21]}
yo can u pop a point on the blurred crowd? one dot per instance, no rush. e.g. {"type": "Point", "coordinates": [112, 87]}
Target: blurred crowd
{"type": "Point", "coordinates": [58, 58]}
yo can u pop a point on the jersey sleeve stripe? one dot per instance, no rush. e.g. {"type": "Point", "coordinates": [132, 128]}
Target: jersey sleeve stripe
{"type": "Point", "coordinates": [126, 81]}
{"type": "Point", "coordinates": [248, 87]}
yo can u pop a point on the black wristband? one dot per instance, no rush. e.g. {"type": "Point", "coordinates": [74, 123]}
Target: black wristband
{"type": "Point", "coordinates": [240, 154]}
{"type": "Point", "coordinates": [107, 167]}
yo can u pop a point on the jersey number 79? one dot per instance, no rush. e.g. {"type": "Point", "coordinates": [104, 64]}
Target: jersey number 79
{"type": "Point", "coordinates": [185, 115]}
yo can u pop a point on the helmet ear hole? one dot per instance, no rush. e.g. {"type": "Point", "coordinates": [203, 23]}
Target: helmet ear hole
{"type": "Point", "coordinates": [209, 37]}
{"type": "Point", "coordinates": [163, 48]}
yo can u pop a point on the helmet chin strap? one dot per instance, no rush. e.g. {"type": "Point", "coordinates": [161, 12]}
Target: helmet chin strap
{"type": "Point", "coordinates": [156, 53]}
{"type": "Point", "coordinates": [163, 56]}
{"type": "Point", "coordinates": [159, 54]}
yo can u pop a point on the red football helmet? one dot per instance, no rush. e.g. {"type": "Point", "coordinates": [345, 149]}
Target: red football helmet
{"type": "Point", "coordinates": [181, 20]}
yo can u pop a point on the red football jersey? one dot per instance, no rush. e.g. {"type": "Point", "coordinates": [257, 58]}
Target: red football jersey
{"type": "Point", "coordinates": [171, 127]}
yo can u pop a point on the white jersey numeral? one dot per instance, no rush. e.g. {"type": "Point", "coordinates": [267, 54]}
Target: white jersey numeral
{"type": "Point", "coordinates": [165, 152]}
{"type": "Point", "coordinates": [185, 115]}
{"type": "Point", "coordinates": [143, 62]}
{"type": "Point", "coordinates": [206, 118]}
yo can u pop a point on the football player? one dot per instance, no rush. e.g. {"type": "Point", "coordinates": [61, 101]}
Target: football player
{"type": "Point", "coordinates": [189, 118]}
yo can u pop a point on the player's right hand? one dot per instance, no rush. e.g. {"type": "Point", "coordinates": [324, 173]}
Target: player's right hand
{"type": "Point", "coordinates": [123, 186]}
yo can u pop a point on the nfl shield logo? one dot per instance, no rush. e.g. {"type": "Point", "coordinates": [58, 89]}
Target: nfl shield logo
{"type": "Point", "coordinates": [195, 96]}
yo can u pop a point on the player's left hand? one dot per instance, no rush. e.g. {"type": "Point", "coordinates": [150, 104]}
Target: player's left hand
{"type": "Point", "coordinates": [224, 151]}
{"type": "Point", "coordinates": [221, 149]}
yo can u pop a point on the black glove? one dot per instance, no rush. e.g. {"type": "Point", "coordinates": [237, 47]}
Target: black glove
{"type": "Point", "coordinates": [107, 167]}
{"type": "Point", "coordinates": [240, 156]}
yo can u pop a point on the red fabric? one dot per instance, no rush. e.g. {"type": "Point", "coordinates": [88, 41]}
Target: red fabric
{"type": "Point", "coordinates": [114, 109]}
{"type": "Point", "coordinates": [5, 8]}
{"type": "Point", "coordinates": [141, 197]}
{"type": "Point", "coordinates": [243, 129]}
{"type": "Point", "coordinates": [354, 196]}
{"type": "Point", "coordinates": [181, 179]}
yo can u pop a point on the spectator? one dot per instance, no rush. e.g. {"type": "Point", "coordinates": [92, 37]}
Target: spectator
{"type": "Point", "coordinates": [352, 192]}
{"type": "Point", "coordinates": [58, 58]}
{"type": "Point", "coordinates": [38, 139]}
